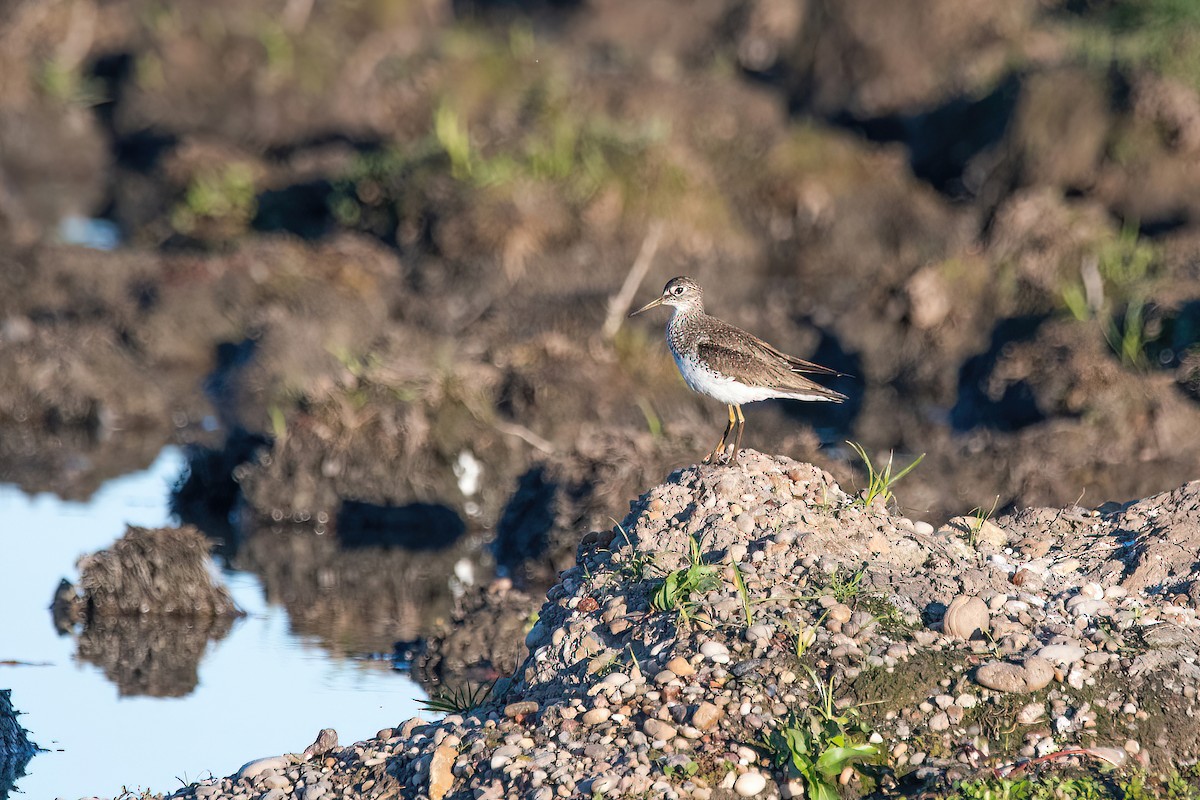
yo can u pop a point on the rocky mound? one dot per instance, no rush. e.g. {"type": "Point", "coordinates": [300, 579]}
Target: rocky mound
{"type": "Point", "coordinates": [756, 630]}
{"type": "Point", "coordinates": [146, 608]}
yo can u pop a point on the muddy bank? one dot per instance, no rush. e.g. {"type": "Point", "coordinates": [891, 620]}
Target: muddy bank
{"type": "Point", "coordinates": [425, 269]}
{"type": "Point", "coordinates": [736, 604]}
{"type": "Point", "coordinates": [367, 258]}
{"type": "Point", "coordinates": [15, 747]}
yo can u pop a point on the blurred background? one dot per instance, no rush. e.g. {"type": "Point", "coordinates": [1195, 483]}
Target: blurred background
{"type": "Point", "coordinates": [362, 259]}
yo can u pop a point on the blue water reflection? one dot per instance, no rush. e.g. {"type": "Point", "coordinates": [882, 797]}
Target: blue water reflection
{"type": "Point", "coordinates": [262, 691]}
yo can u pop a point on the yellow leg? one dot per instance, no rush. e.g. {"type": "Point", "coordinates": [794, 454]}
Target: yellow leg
{"type": "Point", "coordinates": [738, 443]}
{"type": "Point", "coordinates": [721, 444]}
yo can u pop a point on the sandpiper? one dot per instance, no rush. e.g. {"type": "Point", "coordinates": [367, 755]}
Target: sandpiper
{"type": "Point", "coordinates": [730, 365]}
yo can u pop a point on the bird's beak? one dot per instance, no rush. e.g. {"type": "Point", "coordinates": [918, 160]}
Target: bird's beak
{"type": "Point", "coordinates": [655, 302]}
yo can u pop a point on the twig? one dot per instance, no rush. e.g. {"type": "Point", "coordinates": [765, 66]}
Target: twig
{"type": "Point", "coordinates": [526, 435]}
{"type": "Point", "coordinates": [1020, 766]}
{"type": "Point", "coordinates": [618, 304]}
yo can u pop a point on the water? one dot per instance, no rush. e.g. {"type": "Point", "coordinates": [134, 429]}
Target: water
{"type": "Point", "coordinates": [262, 690]}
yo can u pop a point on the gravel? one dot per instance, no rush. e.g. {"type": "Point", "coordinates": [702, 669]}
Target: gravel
{"type": "Point", "coordinates": [670, 703]}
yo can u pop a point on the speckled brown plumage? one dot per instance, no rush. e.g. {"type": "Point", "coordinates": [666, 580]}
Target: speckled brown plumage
{"type": "Point", "coordinates": [729, 364]}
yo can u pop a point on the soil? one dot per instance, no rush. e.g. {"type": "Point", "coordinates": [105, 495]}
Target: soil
{"type": "Point", "coordinates": [364, 259]}
{"type": "Point", "coordinates": [815, 606]}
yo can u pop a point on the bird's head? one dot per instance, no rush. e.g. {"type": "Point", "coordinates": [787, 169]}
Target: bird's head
{"type": "Point", "coordinates": [682, 292]}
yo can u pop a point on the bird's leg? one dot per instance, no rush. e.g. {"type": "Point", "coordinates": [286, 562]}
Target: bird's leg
{"type": "Point", "coordinates": [721, 444]}
{"type": "Point", "coordinates": [738, 443]}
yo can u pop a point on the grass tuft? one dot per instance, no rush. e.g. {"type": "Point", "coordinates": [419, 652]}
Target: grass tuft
{"type": "Point", "coordinates": [880, 481]}
{"type": "Point", "coordinates": [677, 589]}
{"type": "Point", "coordinates": [458, 701]}
{"type": "Point", "coordinates": [818, 745]}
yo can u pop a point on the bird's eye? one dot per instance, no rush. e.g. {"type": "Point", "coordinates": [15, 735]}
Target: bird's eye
{"type": "Point", "coordinates": [678, 290]}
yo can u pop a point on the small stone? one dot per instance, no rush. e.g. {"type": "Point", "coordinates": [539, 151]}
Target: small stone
{"type": "Point", "coordinates": [663, 677]}
{"type": "Point", "coordinates": [658, 730]}
{"type": "Point", "coordinates": [840, 612]}
{"type": "Point", "coordinates": [965, 617]}
{"type": "Point", "coordinates": [441, 777]}
{"type": "Point", "coordinates": [1030, 713]}
{"type": "Point", "coordinates": [1036, 673]}
{"type": "Point", "coordinates": [257, 767]}
{"type": "Point", "coordinates": [605, 783]}
{"type": "Point", "coordinates": [759, 633]}
{"type": "Point", "coordinates": [749, 784]}
{"type": "Point", "coordinates": [596, 716]}
{"type": "Point", "coordinates": [681, 666]}
{"type": "Point", "coordinates": [1065, 654]}
{"type": "Point", "coordinates": [1065, 567]}
{"type": "Point", "coordinates": [522, 708]}
{"type": "Point", "coordinates": [1081, 606]}
{"type": "Point", "coordinates": [706, 716]}
{"type": "Point", "coordinates": [939, 722]}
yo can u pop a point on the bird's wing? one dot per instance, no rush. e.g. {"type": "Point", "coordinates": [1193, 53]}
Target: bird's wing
{"type": "Point", "coordinates": [799, 364]}
{"type": "Point", "coordinates": [749, 360]}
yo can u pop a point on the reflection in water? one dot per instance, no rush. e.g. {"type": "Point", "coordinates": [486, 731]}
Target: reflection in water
{"type": "Point", "coordinates": [358, 599]}
{"type": "Point", "coordinates": [153, 656]}
{"type": "Point", "coordinates": [261, 690]}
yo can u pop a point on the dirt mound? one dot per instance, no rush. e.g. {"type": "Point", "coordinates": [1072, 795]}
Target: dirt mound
{"type": "Point", "coordinates": [736, 608]}
{"type": "Point", "coordinates": [1145, 546]}
{"type": "Point", "coordinates": [161, 572]}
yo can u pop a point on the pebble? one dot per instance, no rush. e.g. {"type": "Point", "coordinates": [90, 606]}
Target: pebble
{"type": "Point", "coordinates": [1030, 713]}
{"type": "Point", "coordinates": [1036, 673]}
{"type": "Point", "coordinates": [757, 633]}
{"type": "Point", "coordinates": [706, 716]}
{"type": "Point", "coordinates": [502, 756]}
{"type": "Point", "coordinates": [520, 709]}
{"type": "Point", "coordinates": [715, 652]}
{"type": "Point", "coordinates": [750, 784]}
{"type": "Point", "coordinates": [681, 667]}
{"type": "Point", "coordinates": [840, 612]}
{"type": "Point", "coordinates": [259, 766]}
{"type": "Point", "coordinates": [965, 617]}
{"type": "Point", "coordinates": [658, 730]}
{"type": "Point", "coordinates": [1061, 653]}
{"type": "Point", "coordinates": [596, 716]}
{"type": "Point", "coordinates": [600, 727]}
